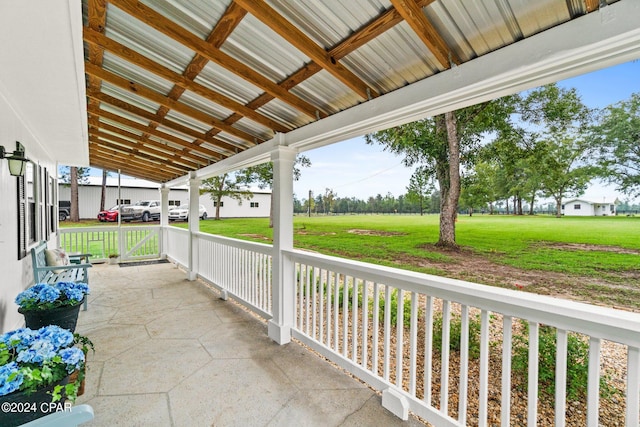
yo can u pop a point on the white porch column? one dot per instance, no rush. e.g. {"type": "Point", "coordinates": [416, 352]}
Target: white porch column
{"type": "Point", "coordinates": [194, 224]}
{"type": "Point", "coordinates": [164, 219]}
{"type": "Point", "coordinates": [283, 295]}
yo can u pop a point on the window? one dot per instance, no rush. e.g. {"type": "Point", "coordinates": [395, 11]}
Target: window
{"type": "Point", "coordinates": [27, 212]}
{"type": "Point", "coordinates": [174, 202]}
{"type": "Point", "coordinates": [123, 201]}
{"type": "Point", "coordinates": [215, 203]}
{"type": "Point", "coordinates": [255, 204]}
{"type": "Point", "coordinates": [576, 207]}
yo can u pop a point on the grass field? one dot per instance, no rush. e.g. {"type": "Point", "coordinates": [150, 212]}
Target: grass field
{"type": "Point", "coordinates": [590, 258]}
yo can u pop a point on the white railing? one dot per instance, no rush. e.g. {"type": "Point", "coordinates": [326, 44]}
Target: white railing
{"type": "Point", "coordinates": [363, 316]}
{"type": "Point", "coordinates": [130, 243]}
{"type": "Point", "coordinates": [241, 269]}
{"type": "Point", "coordinates": [177, 245]}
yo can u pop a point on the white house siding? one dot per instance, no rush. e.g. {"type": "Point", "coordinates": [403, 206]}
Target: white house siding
{"type": "Point", "coordinates": [233, 209]}
{"type": "Point", "coordinates": [587, 208]}
{"type": "Point", "coordinates": [17, 273]}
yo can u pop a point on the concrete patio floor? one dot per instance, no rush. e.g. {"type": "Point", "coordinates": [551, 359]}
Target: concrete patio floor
{"type": "Point", "coordinates": [169, 352]}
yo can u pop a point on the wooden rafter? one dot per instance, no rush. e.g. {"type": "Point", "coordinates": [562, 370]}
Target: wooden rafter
{"type": "Point", "coordinates": [135, 155]}
{"type": "Point", "coordinates": [591, 5]}
{"type": "Point", "coordinates": [154, 96]}
{"type": "Point", "coordinates": [415, 17]}
{"type": "Point", "coordinates": [199, 136]}
{"type": "Point", "coordinates": [187, 146]}
{"type": "Point", "coordinates": [108, 160]}
{"type": "Point", "coordinates": [146, 148]}
{"type": "Point", "coordinates": [176, 32]}
{"type": "Point", "coordinates": [359, 38]}
{"type": "Point", "coordinates": [304, 44]}
{"type": "Point", "coordinates": [185, 83]}
{"type": "Point", "coordinates": [202, 151]}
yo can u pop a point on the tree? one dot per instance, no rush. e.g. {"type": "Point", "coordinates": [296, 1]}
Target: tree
{"type": "Point", "coordinates": [328, 200]}
{"type": "Point", "coordinates": [420, 188]}
{"type": "Point", "coordinates": [440, 145]}
{"type": "Point", "coordinates": [617, 138]}
{"type": "Point", "coordinates": [262, 176]}
{"type": "Point", "coordinates": [103, 192]}
{"type": "Point", "coordinates": [562, 155]}
{"type": "Point", "coordinates": [224, 185]}
{"type": "Point", "coordinates": [73, 176]}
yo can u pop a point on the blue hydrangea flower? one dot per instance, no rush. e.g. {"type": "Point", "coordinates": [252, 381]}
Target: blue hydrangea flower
{"type": "Point", "coordinates": [39, 352]}
{"type": "Point", "coordinates": [58, 337]}
{"type": "Point", "coordinates": [19, 339]}
{"type": "Point", "coordinates": [10, 378]}
{"type": "Point", "coordinates": [73, 357]}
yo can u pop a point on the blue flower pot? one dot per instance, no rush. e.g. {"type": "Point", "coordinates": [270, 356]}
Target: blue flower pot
{"type": "Point", "coordinates": [66, 317]}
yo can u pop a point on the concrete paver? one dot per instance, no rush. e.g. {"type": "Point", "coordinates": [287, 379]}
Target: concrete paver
{"type": "Point", "coordinates": [169, 352]}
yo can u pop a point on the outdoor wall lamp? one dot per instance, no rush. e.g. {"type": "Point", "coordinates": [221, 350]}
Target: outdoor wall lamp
{"type": "Point", "coordinates": [17, 160]}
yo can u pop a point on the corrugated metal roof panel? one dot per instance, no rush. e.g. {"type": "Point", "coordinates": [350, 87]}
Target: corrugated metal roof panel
{"type": "Point", "coordinates": [147, 41]}
{"type": "Point", "coordinates": [136, 74]}
{"type": "Point", "coordinates": [131, 98]}
{"type": "Point", "coordinates": [227, 83]}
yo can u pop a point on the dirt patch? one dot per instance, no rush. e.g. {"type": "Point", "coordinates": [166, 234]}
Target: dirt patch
{"type": "Point", "coordinates": [256, 236]}
{"type": "Point", "coordinates": [619, 290]}
{"type": "Point", "coordinates": [589, 247]}
{"type": "Point", "coordinates": [374, 232]}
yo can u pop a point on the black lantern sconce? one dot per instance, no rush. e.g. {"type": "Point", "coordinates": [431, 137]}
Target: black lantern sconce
{"type": "Point", "coordinates": [17, 160]}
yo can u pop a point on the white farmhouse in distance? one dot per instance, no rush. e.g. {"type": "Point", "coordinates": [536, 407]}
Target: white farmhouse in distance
{"type": "Point", "coordinates": [581, 207]}
{"type": "Point", "coordinates": [132, 190]}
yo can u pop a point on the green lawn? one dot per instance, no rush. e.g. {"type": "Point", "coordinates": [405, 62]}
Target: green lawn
{"type": "Point", "coordinates": [591, 258]}
{"type": "Point", "coordinates": [538, 243]}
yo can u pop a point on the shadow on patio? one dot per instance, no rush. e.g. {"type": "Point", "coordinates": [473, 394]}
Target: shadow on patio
{"type": "Point", "coordinates": [169, 352]}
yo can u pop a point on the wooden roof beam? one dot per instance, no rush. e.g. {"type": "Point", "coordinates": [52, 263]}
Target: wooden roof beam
{"type": "Point", "coordinates": [141, 61]}
{"type": "Point", "coordinates": [304, 44]}
{"type": "Point", "coordinates": [138, 138]}
{"type": "Point", "coordinates": [146, 149]}
{"type": "Point", "coordinates": [106, 161]}
{"type": "Point", "coordinates": [152, 95]}
{"type": "Point", "coordinates": [152, 131]}
{"type": "Point", "coordinates": [174, 31]}
{"type": "Point", "coordinates": [199, 136]}
{"type": "Point", "coordinates": [133, 159]}
{"type": "Point", "coordinates": [415, 17]}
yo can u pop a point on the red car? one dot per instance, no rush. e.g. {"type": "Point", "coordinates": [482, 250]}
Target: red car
{"type": "Point", "coordinates": [109, 216]}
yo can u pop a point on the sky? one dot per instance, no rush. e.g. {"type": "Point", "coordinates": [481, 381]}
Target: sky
{"type": "Point", "coordinates": [354, 169]}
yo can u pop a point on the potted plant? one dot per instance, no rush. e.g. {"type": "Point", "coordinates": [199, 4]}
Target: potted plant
{"type": "Point", "coordinates": [34, 373]}
{"type": "Point", "coordinates": [113, 258]}
{"type": "Point", "coordinates": [58, 304]}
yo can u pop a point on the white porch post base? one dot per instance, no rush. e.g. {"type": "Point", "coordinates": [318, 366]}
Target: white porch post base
{"type": "Point", "coordinates": [224, 295]}
{"type": "Point", "coordinates": [279, 333]}
{"type": "Point", "coordinates": [192, 275]}
{"type": "Point", "coordinates": [396, 403]}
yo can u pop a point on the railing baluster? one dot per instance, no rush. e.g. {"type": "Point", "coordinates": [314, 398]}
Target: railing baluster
{"type": "Point", "coordinates": [307, 296]}
{"type": "Point", "coordinates": [633, 386]}
{"type": "Point", "coordinates": [330, 279]}
{"type": "Point", "coordinates": [365, 324]}
{"type": "Point", "coordinates": [336, 313]}
{"type": "Point", "coordinates": [413, 351]}
{"type": "Point", "coordinates": [354, 320]}
{"type": "Point", "coordinates": [387, 331]}
{"type": "Point", "coordinates": [321, 308]}
{"type": "Point", "coordinates": [532, 387]}
{"type": "Point", "coordinates": [483, 397]}
{"type": "Point", "coordinates": [593, 388]}
{"type": "Point", "coordinates": [464, 365]}
{"type": "Point", "coordinates": [376, 326]}
{"type": "Point", "coordinates": [444, 357]}
{"type": "Point", "coordinates": [561, 377]}
{"type": "Point", "coordinates": [507, 338]}
{"type": "Point", "coordinates": [313, 302]}
{"type": "Point", "coordinates": [428, 349]}
{"type": "Point", "coordinates": [399, 338]}
{"type": "Point", "coordinates": [345, 317]}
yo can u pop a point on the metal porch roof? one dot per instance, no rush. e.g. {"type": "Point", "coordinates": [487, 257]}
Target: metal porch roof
{"type": "Point", "coordinates": [174, 86]}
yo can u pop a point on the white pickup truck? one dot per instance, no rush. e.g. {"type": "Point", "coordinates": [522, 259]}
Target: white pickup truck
{"type": "Point", "coordinates": [145, 210]}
